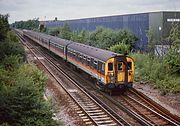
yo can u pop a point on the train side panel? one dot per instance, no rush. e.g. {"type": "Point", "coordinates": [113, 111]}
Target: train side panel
{"type": "Point", "coordinates": [86, 64]}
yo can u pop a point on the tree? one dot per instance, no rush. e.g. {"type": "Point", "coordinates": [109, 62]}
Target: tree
{"type": "Point", "coordinates": [42, 28]}
{"type": "Point", "coordinates": [151, 41]}
{"type": "Point", "coordinates": [29, 24]}
{"type": "Point", "coordinates": [65, 32]}
{"type": "Point", "coordinates": [173, 56]}
{"type": "Point", "coordinates": [10, 46]}
{"type": "Point", "coordinates": [4, 26]}
{"type": "Point", "coordinates": [105, 38]}
{"type": "Point", "coordinates": [120, 48]}
{"type": "Point", "coordinates": [22, 103]}
{"type": "Point", "coordinates": [54, 31]}
{"type": "Point", "coordinates": [21, 86]}
{"type": "Point", "coordinates": [81, 36]}
{"type": "Point", "coordinates": [174, 35]}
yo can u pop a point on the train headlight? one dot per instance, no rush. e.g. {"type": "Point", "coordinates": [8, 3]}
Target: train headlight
{"type": "Point", "coordinates": [112, 79]}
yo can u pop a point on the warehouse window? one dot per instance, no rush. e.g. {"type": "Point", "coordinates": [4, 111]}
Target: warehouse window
{"type": "Point", "coordinates": [110, 66]}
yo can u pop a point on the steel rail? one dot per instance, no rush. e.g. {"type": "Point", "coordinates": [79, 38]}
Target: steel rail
{"type": "Point", "coordinates": [155, 108]}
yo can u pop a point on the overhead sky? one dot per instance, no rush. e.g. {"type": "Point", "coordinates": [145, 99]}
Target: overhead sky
{"type": "Point", "coordinates": [75, 9]}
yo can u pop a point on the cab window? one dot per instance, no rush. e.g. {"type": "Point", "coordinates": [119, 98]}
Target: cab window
{"type": "Point", "coordinates": [102, 67]}
{"type": "Point", "coordinates": [129, 65]}
{"type": "Point", "coordinates": [119, 66]}
{"type": "Point", "coordinates": [110, 66]}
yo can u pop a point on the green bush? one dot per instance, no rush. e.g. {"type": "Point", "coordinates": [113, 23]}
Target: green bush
{"type": "Point", "coordinates": [21, 102]}
{"type": "Point", "coordinates": [101, 37]}
{"type": "Point", "coordinates": [4, 26]}
{"type": "Point", "coordinates": [173, 60]}
{"type": "Point", "coordinates": [120, 48]}
{"type": "Point", "coordinates": [105, 38]}
{"type": "Point", "coordinates": [157, 72]}
{"type": "Point", "coordinates": [29, 24]}
{"type": "Point", "coordinates": [11, 46]}
{"type": "Point", "coordinates": [65, 32]}
{"type": "Point", "coordinates": [21, 86]}
{"type": "Point", "coordinates": [12, 62]}
{"type": "Point", "coordinates": [54, 31]}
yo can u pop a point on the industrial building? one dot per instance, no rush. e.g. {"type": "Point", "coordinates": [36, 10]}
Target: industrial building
{"type": "Point", "coordinates": [139, 24]}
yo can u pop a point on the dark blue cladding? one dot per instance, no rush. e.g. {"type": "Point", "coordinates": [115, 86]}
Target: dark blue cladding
{"type": "Point", "coordinates": [136, 23]}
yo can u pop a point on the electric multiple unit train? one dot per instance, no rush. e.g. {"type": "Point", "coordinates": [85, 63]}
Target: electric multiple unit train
{"type": "Point", "coordinates": [111, 70]}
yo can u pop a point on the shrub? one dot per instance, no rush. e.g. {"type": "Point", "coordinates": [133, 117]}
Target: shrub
{"type": "Point", "coordinates": [54, 31]}
{"type": "Point", "coordinates": [173, 60]}
{"type": "Point", "coordinates": [12, 62]}
{"type": "Point", "coordinates": [101, 37]}
{"type": "Point", "coordinates": [22, 103]}
{"type": "Point", "coordinates": [120, 48]}
{"type": "Point", "coordinates": [157, 72]}
{"type": "Point", "coordinates": [11, 46]}
{"type": "Point", "coordinates": [4, 26]}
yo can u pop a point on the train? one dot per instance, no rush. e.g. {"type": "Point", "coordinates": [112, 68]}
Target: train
{"type": "Point", "coordinates": [110, 70]}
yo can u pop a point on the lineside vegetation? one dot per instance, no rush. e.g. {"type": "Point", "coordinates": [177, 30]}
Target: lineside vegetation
{"type": "Point", "coordinates": [21, 85]}
{"type": "Point", "coordinates": [162, 72]}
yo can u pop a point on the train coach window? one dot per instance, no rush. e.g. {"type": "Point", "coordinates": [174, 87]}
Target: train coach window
{"type": "Point", "coordinates": [95, 64]}
{"type": "Point", "coordinates": [75, 54]}
{"type": "Point", "coordinates": [88, 61]}
{"type": "Point", "coordinates": [110, 66]}
{"type": "Point", "coordinates": [119, 66]}
{"type": "Point", "coordinates": [129, 65]}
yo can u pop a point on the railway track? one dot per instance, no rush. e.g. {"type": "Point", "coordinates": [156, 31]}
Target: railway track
{"type": "Point", "coordinates": [148, 109]}
{"type": "Point", "coordinates": [88, 109]}
{"type": "Point", "coordinates": [134, 104]}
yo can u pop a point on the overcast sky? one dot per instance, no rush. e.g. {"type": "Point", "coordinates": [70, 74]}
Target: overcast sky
{"type": "Point", "coordinates": [75, 9]}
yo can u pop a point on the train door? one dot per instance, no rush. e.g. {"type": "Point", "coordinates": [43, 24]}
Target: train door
{"type": "Point", "coordinates": [130, 67]}
{"type": "Point", "coordinates": [120, 68]}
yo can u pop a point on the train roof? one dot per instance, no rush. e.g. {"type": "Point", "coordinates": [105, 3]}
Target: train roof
{"type": "Point", "coordinates": [50, 38]}
{"type": "Point", "coordinates": [94, 52]}
{"type": "Point", "coordinates": [60, 41]}
{"type": "Point", "coordinates": [90, 51]}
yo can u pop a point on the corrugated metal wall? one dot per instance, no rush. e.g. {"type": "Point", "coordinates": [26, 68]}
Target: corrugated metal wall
{"type": "Point", "coordinates": [136, 23]}
{"type": "Point", "coordinates": [168, 19]}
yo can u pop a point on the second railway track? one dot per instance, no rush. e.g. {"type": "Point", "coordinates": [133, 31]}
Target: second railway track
{"type": "Point", "coordinates": [150, 110]}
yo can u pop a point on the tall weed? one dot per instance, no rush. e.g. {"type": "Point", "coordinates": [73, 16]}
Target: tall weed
{"type": "Point", "coordinates": [156, 71]}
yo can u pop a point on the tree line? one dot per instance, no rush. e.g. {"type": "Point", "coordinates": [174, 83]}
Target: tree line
{"type": "Point", "coordinates": [29, 24]}
{"type": "Point", "coordinates": [120, 41]}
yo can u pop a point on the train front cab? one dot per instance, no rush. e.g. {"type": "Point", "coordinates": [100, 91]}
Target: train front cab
{"type": "Point", "coordinates": [119, 72]}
